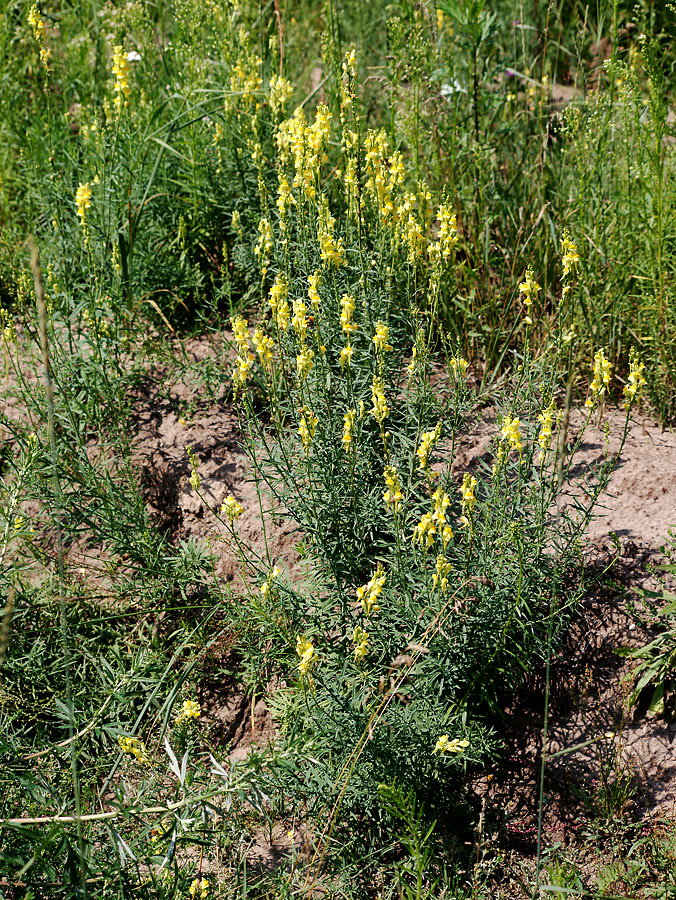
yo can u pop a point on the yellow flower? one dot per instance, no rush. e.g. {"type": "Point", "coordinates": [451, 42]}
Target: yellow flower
{"type": "Point", "coordinates": [410, 368]}
{"type": "Point", "coordinates": [199, 889]}
{"type": "Point", "coordinates": [265, 243]}
{"type": "Point", "coordinates": [83, 200]}
{"type": "Point", "coordinates": [467, 490]}
{"type": "Point", "coordinates": [380, 410]}
{"type": "Point", "coordinates": [392, 496]}
{"type": "Point", "coordinates": [570, 258]}
{"type": "Point", "coordinates": [459, 366]}
{"type": "Point", "coordinates": [241, 371]}
{"type": "Point", "coordinates": [425, 531]}
{"type": "Point", "coordinates": [444, 745]}
{"type": "Point", "coordinates": [281, 91]}
{"type": "Point", "coordinates": [346, 355]}
{"type": "Point", "coordinates": [190, 710]}
{"type": "Point", "coordinates": [331, 248]}
{"type": "Point", "coordinates": [446, 535]}
{"type": "Point", "coordinates": [546, 420]}
{"type": "Point", "coordinates": [304, 362]}
{"type": "Point", "coordinates": [348, 428]}
{"type": "Point", "coordinates": [441, 503]}
{"type": "Point", "coordinates": [307, 428]}
{"type": "Point", "coordinates": [299, 320]}
{"type": "Point", "coordinates": [313, 289]}
{"type": "Point", "coordinates": [427, 444]}
{"type": "Point", "coordinates": [511, 432]}
{"type": "Point", "coordinates": [380, 338]}
{"type": "Point", "coordinates": [347, 307]}
{"type": "Point", "coordinates": [36, 23]}
{"type": "Point", "coordinates": [263, 345]}
{"type": "Point", "coordinates": [368, 594]}
{"type": "Point", "coordinates": [121, 73]}
{"type": "Point", "coordinates": [447, 236]}
{"type": "Point", "coordinates": [441, 573]}
{"type": "Point", "coordinates": [241, 333]}
{"type": "Point", "coordinates": [306, 654]}
{"type": "Point", "coordinates": [414, 239]}
{"type": "Point", "coordinates": [530, 289]}
{"type": "Point", "coordinates": [361, 640]}
{"type": "Point", "coordinates": [231, 509]}
{"type": "Point", "coordinates": [600, 380]}
{"type": "Point", "coordinates": [134, 747]}
{"type": "Point", "coordinates": [635, 381]}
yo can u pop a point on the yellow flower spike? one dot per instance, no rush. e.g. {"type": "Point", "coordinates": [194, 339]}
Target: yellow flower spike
{"type": "Point", "coordinates": [393, 495]}
{"type": "Point", "coordinates": [347, 308]}
{"type": "Point", "coordinates": [348, 428]}
{"type": "Point", "coordinates": [299, 320]}
{"type": "Point", "coordinates": [425, 531]}
{"type": "Point", "coordinates": [332, 250]}
{"type": "Point", "coordinates": [635, 381]}
{"type": "Point", "coordinates": [136, 748]}
{"type": "Point", "coordinates": [231, 509]}
{"type": "Point", "coordinates": [121, 73]}
{"type": "Point", "coordinates": [467, 490]}
{"type": "Point", "coordinates": [313, 290]}
{"type": "Point", "coordinates": [36, 23]}
{"type": "Point", "coordinates": [459, 366]}
{"type": "Point", "coordinates": [446, 746]}
{"type": "Point", "coordinates": [427, 443]}
{"type": "Point", "coordinates": [304, 362]}
{"type": "Point", "coordinates": [546, 420]}
{"type": "Point", "coordinates": [600, 379]}
{"type": "Point", "coordinates": [380, 338]}
{"type": "Point", "coordinates": [263, 346]}
{"type": "Point", "coordinates": [83, 201]}
{"type": "Point", "coordinates": [199, 889]}
{"type": "Point", "coordinates": [190, 710]}
{"type": "Point", "coordinates": [361, 640]}
{"type": "Point", "coordinates": [570, 257]}
{"type": "Point", "coordinates": [530, 289]}
{"type": "Point", "coordinates": [410, 368]}
{"type": "Point", "coordinates": [241, 334]}
{"type": "Point", "coordinates": [380, 410]}
{"type": "Point", "coordinates": [447, 236]}
{"type": "Point", "coordinates": [368, 594]}
{"type": "Point", "coordinates": [281, 91]}
{"type": "Point", "coordinates": [441, 503]}
{"type": "Point", "coordinates": [511, 433]}
{"type": "Point", "coordinates": [441, 573]}
{"type": "Point", "coordinates": [307, 428]}
{"type": "Point", "coordinates": [306, 654]}
{"type": "Point", "coordinates": [346, 355]}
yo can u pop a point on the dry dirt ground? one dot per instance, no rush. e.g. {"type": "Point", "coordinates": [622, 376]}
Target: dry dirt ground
{"type": "Point", "coordinates": [627, 537]}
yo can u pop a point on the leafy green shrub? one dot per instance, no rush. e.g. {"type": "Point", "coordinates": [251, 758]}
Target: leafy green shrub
{"type": "Point", "coordinates": [432, 588]}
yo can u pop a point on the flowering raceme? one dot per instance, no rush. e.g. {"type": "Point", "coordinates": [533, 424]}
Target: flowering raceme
{"type": "Point", "coordinates": [530, 289]}
{"type": "Point", "coordinates": [380, 410]}
{"type": "Point", "coordinates": [393, 495]}
{"type": "Point", "coordinates": [600, 379]}
{"type": "Point", "coordinates": [511, 433]}
{"type": "Point", "coordinates": [121, 73]}
{"type": "Point", "coordinates": [635, 381]}
{"type": "Point", "coordinates": [306, 653]}
{"type": "Point", "coordinates": [83, 201]}
{"type": "Point", "coordinates": [427, 443]}
{"type": "Point", "coordinates": [348, 428]}
{"type": "Point", "coordinates": [368, 594]}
